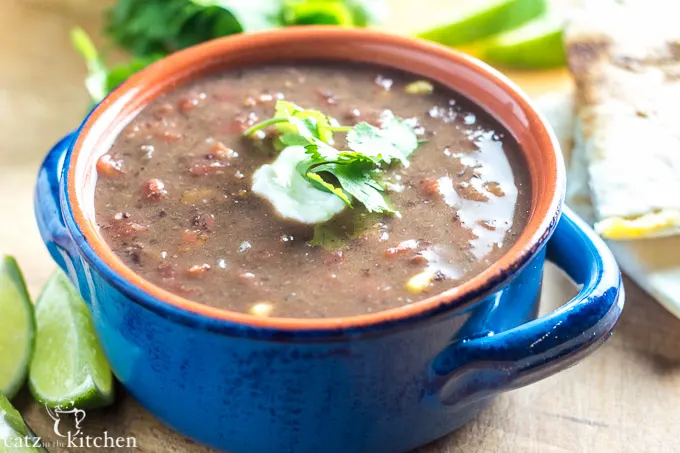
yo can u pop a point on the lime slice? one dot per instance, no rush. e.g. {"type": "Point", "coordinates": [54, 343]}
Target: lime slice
{"type": "Point", "coordinates": [17, 328]}
{"type": "Point", "coordinates": [68, 368]}
{"type": "Point", "coordinates": [488, 18]}
{"type": "Point", "coordinates": [535, 45]}
{"type": "Point", "coordinates": [15, 436]}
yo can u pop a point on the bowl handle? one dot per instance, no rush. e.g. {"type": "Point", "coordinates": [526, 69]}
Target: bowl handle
{"type": "Point", "coordinates": [480, 367]}
{"type": "Point", "coordinates": [47, 205]}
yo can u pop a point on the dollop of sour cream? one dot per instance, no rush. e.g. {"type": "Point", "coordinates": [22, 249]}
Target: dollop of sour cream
{"type": "Point", "coordinates": [291, 195]}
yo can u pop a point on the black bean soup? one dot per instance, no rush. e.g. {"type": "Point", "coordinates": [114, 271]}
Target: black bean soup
{"type": "Point", "coordinates": [174, 201]}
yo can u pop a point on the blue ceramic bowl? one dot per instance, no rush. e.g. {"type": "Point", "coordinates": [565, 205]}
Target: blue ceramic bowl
{"type": "Point", "coordinates": [377, 383]}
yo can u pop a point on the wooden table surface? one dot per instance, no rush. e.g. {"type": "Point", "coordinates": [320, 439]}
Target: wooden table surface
{"type": "Point", "coordinates": [625, 398]}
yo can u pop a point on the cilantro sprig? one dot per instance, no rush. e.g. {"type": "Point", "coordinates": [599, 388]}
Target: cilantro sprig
{"type": "Point", "coordinates": [100, 78]}
{"type": "Point", "coordinates": [351, 174]}
{"type": "Point", "coordinates": [152, 29]}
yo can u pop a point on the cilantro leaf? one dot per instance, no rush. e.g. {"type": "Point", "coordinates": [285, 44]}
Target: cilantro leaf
{"type": "Point", "coordinates": [293, 139]}
{"type": "Point", "coordinates": [320, 152]}
{"type": "Point", "coordinates": [395, 140]}
{"type": "Point", "coordinates": [306, 122]}
{"type": "Point", "coordinates": [399, 132]}
{"type": "Point", "coordinates": [146, 27]}
{"type": "Point", "coordinates": [356, 13]}
{"type": "Point", "coordinates": [299, 127]}
{"type": "Point", "coordinates": [309, 12]}
{"type": "Point", "coordinates": [251, 15]}
{"type": "Point", "coordinates": [149, 27]}
{"type": "Point", "coordinates": [100, 79]}
{"type": "Point", "coordinates": [357, 179]}
{"type": "Point", "coordinates": [349, 174]}
{"type": "Point", "coordinates": [317, 181]}
{"type": "Point", "coordinates": [97, 73]}
{"type": "Point", "coordinates": [354, 176]}
{"type": "Point", "coordinates": [118, 74]}
{"type": "Point", "coordinates": [367, 12]}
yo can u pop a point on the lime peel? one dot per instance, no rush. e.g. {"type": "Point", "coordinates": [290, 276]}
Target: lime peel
{"type": "Point", "coordinates": [68, 368]}
{"type": "Point", "coordinates": [17, 328]}
{"type": "Point", "coordinates": [537, 44]}
{"type": "Point", "coordinates": [15, 435]}
{"type": "Point", "coordinates": [490, 18]}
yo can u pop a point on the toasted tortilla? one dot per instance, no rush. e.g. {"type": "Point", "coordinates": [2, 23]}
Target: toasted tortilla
{"type": "Point", "coordinates": [625, 59]}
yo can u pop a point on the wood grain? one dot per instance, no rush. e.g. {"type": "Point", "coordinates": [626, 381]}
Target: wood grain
{"type": "Point", "coordinates": [625, 398]}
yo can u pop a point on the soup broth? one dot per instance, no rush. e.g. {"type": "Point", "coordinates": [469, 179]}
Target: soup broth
{"type": "Point", "coordinates": [174, 196]}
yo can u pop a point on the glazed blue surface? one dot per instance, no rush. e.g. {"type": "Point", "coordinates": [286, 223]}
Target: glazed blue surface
{"type": "Point", "coordinates": [381, 389]}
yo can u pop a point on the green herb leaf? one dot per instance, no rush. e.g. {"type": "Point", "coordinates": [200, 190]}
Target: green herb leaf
{"type": "Point", "coordinates": [100, 79]}
{"type": "Point", "coordinates": [309, 12]}
{"type": "Point", "coordinates": [357, 13]}
{"type": "Point", "coordinates": [367, 12]}
{"type": "Point", "coordinates": [307, 123]}
{"type": "Point", "coordinates": [147, 27]}
{"type": "Point", "coordinates": [317, 181]}
{"type": "Point", "coordinates": [354, 174]}
{"type": "Point", "coordinates": [349, 174]}
{"type": "Point", "coordinates": [252, 15]}
{"type": "Point", "coordinates": [357, 179]}
{"type": "Point", "coordinates": [320, 152]}
{"type": "Point", "coordinates": [293, 139]}
{"type": "Point", "coordinates": [96, 80]}
{"type": "Point", "coordinates": [395, 140]}
{"type": "Point", "coordinates": [150, 27]}
{"type": "Point", "coordinates": [289, 120]}
{"type": "Point", "coordinates": [118, 74]}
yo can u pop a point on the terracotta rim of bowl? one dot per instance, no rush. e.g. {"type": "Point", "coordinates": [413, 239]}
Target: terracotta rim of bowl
{"type": "Point", "coordinates": [475, 80]}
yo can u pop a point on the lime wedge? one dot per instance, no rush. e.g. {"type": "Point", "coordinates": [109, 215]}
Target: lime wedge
{"type": "Point", "coordinates": [15, 436]}
{"type": "Point", "coordinates": [488, 18]}
{"type": "Point", "coordinates": [535, 45]}
{"type": "Point", "coordinates": [68, 368]}
{"type": "Point", "coordinates": [17, 328]}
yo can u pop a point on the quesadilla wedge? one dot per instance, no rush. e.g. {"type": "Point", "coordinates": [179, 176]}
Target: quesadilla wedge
{"type": "Point", "coordinates": [625, 59]}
